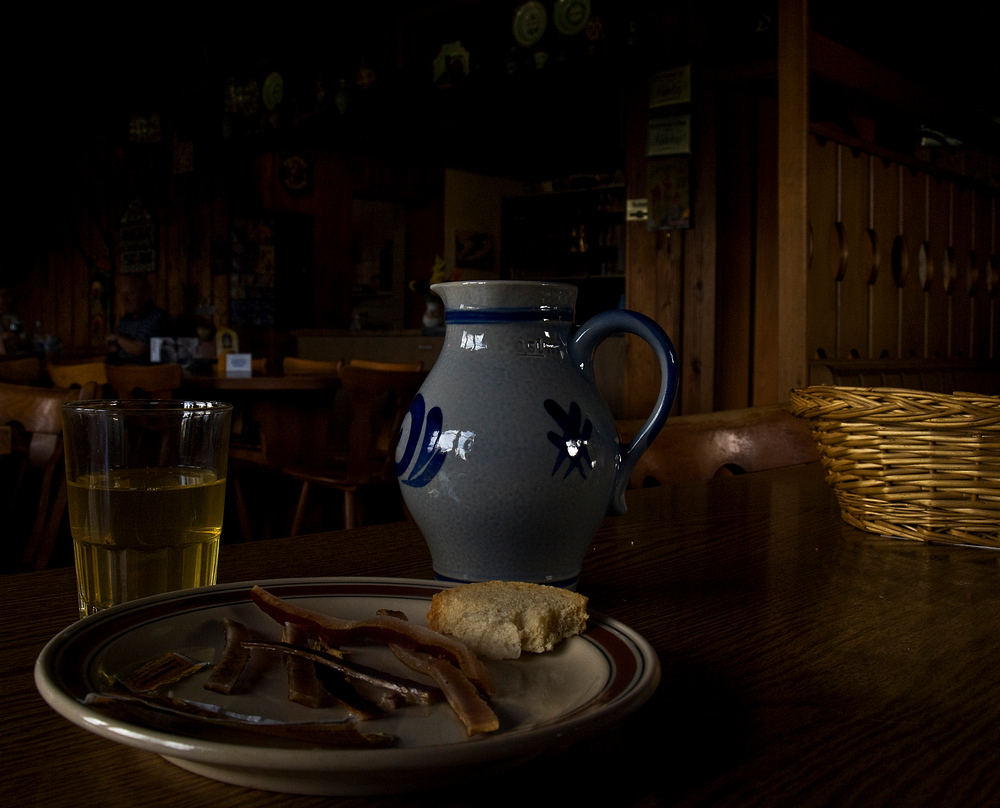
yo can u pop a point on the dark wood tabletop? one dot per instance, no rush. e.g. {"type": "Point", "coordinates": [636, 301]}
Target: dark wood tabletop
{"type": "Point", "coordinates": [805, 663]}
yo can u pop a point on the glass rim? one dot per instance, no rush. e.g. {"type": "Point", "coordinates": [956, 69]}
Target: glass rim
{"type": "Point", "coordinates": [145, 405]}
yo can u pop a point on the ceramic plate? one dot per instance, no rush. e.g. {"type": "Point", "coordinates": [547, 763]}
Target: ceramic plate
{"type": "Point", "coordinates": [587, 683]}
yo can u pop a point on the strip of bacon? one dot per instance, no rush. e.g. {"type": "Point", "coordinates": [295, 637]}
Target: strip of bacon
{"type": "Point", "coordinates": [340, 734]}
{"type": "Point", "coordinates": [304, 687]}
{"type": "Point", "coordinates": [413, 692]}
{"type": "Point", "coordinates": [234, 658]}
{"type": "Point", "coordinates": [462, 695]}
{"type": "Point", "coordinates": [165, 670]}
{"type": "Point", "coordinates": [380, 629]}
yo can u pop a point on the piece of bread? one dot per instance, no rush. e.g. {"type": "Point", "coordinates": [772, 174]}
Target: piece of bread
{"type": "Point", "coordinates": [499, 619]}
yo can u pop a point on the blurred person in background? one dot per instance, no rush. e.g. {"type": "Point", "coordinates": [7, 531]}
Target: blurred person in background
{"type": "Point", "coordinates": [12, 336]}
{"type": "Point", "coordinates": [141, 321]}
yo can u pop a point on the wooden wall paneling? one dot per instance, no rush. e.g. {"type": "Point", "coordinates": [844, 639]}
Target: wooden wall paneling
{"type": "Point", "coordinates": [195, 215]}
{"type": "Point", "coordinates": [203, 236]}
{"type": "Point", "coordinates": [177, 232]}
{"type": "Point", "coordinates": [193, 207]}
{"type": "Point", "coordinates": [793, 238]}
{"type": "Point", "coordinates": [78, 237]}
{"type": "Point", "coordinates": [92, 223]}
{"type": "Point", "coordinates": [332, 241]}
{"type": "Point", "coordinates": [424, 241]}
{"type": "Point", "coordinates": [992, 285]}
{"type": "Point", "coordinates": [822, 301]}
{"type": "Point", "coordinates": [935, 299]}
{"type": "Point", "coordinates": [923, 272]}
{"type": "Point", "coordinates": [884, 217]}
{"type": "Point", "coordinates": [913, 186]}
{"type": "Point", "coordinates": [111, 186]}
{"type": "Point", "coordinates": [979, 296]}
{"type": "Point", "coordinates": [653, 288]}
{"type": "Point", "coordinates": [218, 234]}
{"type": "Point", "coordinates": [66, 254]}
{"type": "Point", "coordinates": [263, 171]}
{"type": "Point", "coordinates": [85, 333]}
{"type": "Point", "coordinates": [766, 276]}
{"type": "Point", "coordinates": [964, 203]}
{"type": "Point", "coordinates": [736, 218]}
{"type": "Point", "coordinates": [653, 263]}
{"type": "Point", "coordinates": [853, 216]}
{"type": "Point", "coordinates": [79, 313]}
{"type": "Point", "coordinates": [160, 280]}
{"type": "Point", "coordinates": [329, 205]}
{"type": "Point", "coordinates": [699, 275]}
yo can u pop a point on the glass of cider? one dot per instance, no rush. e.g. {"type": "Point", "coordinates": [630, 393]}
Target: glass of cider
{"type": "Point", "coordinates": [146, 485]}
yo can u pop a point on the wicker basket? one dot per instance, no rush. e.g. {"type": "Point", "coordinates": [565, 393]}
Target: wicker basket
{"type": "Point", "coordinates": [911, 464]}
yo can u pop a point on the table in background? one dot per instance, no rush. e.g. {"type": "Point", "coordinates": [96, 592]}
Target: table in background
{"type": "Point", "coordinates": [804, 663]}
{"type": "Point", "coordinates": [261, 383]}
{"type": "Point", "coordinates": [286, 409]}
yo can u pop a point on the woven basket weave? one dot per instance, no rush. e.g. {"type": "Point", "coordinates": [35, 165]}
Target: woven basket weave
{"type": "Point", "coordinates": [907, 463]}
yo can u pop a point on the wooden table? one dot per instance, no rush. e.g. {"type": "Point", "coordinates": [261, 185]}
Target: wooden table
{"type": "Point", "coordinates": [805, 663]}
{"type": "Point", "coordinates": [261, 383]}
{"type": "Point", "coordinates": [286, 410]}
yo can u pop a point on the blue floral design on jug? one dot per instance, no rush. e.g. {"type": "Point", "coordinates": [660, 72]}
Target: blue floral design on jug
{"type": "Point", "coordinates": [432, 453]}
{"type": "Point", "coordinates": [572, 443]}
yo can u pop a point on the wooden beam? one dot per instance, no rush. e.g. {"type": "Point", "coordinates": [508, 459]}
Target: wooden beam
{"type": "Point", "coordinates": [793, 221]}
{"type": "Point", "coordinates": [698, 392]}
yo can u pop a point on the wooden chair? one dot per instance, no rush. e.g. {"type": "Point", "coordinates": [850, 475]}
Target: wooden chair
{"type": "Point", "coordinates": [26, 370]}
{"type": "Point", "coordinates": [79, 374]}
{"type": "Point", "coordinates": [249, 455]}
{"type": "Point", "coordinates": [36, 463]}
{"type": "Point", "coordinates": [144, 381]}
{"type": "Point", "coordinates": [980, 376]}
{"type": "Point", "coordinates": [378, 401]}
{"type": "Point", "coordinates": [296, 366]}
{"type": "Point", "coordinates": [701, 447]}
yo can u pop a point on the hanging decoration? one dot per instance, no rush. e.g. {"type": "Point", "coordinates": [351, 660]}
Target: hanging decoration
{"type": "Point", "coordinates": [138, 240]}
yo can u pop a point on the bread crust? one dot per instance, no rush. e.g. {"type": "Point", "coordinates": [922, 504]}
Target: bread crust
{"type": "Point", "coordinates": [501, 619]}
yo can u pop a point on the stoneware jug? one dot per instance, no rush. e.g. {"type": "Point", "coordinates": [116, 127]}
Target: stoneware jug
{"type": "Point", "coordinates": [508, 458]}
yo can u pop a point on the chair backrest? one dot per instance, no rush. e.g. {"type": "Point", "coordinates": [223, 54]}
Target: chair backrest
{"type": "Point", "coordinates": [37, 409]}
{"type": "Point", "coordinates": [399, 366]}
{"type": "Point", "coordinates": [933, 375]}
{"type": "Point", "coordinates": [699, 447]}
{"type": "Point", "coordinates": [35, 416]}
{"type": "Point", "coordinates": [145, 381]}
{"type": "Point", "coordinates": [296, 366]}
{"type": "Point", "coordinates": [79, 373]}
{"type": "Point", "coordinates": [379, 400]}
{"type": "Point", "coordinates": [26, 370]}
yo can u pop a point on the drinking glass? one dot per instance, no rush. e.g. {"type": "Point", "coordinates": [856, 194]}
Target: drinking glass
{"type": "Point", "coordinates": [146, 486]}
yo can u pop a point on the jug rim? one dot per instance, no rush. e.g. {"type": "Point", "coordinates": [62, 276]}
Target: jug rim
{"type": "Point", "coordinates": [489, 295]}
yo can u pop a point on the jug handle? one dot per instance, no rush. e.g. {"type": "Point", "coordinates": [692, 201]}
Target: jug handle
{"type": "Point", "coordinates": [581, 350]}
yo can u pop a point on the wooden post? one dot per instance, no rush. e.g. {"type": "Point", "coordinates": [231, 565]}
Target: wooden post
{"type": "Point", "coordinates": [653, 284]}
{"type": "Point", "coordinates": [793, 221]}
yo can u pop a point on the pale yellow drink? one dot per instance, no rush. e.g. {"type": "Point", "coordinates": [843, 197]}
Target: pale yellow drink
{"type": "Point", "coordinates": [139, 532]}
